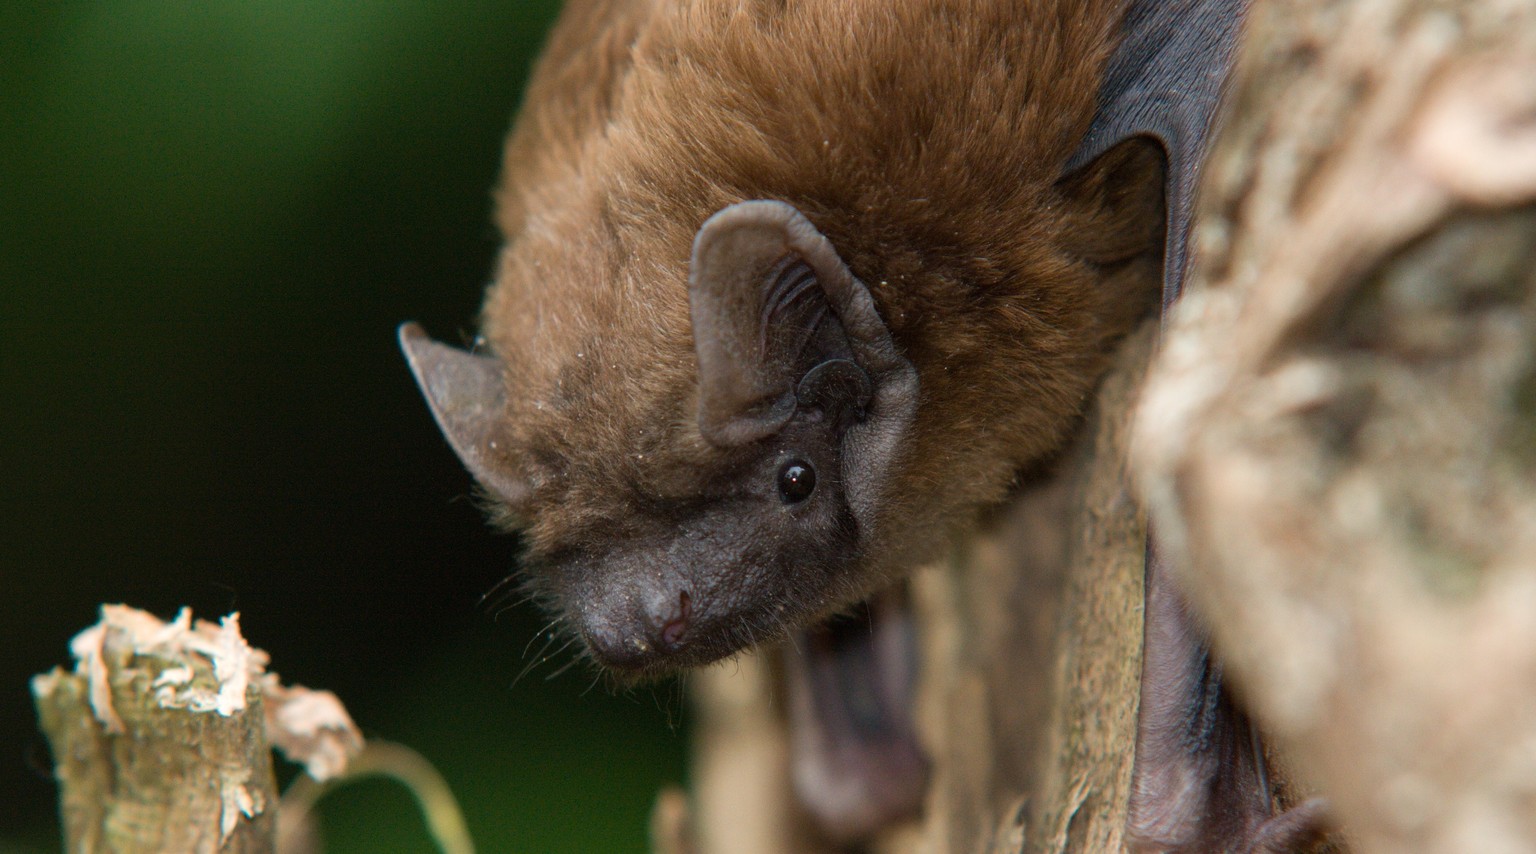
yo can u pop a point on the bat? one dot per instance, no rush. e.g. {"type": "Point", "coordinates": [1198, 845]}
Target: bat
{"type": "Point", "coordinates": [790, 292]}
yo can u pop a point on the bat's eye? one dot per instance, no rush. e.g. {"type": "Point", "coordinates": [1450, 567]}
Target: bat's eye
{"type": "Point", "coordinates": [797, 480]}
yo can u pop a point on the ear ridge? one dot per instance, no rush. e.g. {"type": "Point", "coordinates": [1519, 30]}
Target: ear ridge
{"type": "Point", "coordinates": [466, 396]}
{"type": "Point", "coordinates": [851, 301]}
{"type": "Point", "coordinates": [748, 260]}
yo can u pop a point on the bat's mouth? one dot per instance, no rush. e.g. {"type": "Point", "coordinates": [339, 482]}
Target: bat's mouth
{"type": "Point", "coordinates": [858, 765]}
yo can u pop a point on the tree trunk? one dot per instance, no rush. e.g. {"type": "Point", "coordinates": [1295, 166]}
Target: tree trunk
{"type": "Point", "coordinates": [1340, 439]}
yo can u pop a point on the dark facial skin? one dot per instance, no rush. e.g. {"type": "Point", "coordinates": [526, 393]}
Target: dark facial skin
{"type": "Point", "coordinates": [689, 587]}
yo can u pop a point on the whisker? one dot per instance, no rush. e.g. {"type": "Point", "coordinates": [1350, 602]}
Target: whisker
{"type": "Point", "coordinates": [566, 666]}
{"type": "Point", "coordinates": [506, 603]}
{"type": "Point", "coordinates": [593, 684]}
{"type": "Point", "coordinates": [535, 662]}
{"type": "Point", "coordinates": [679, 691]}
{"type": "Point", "coordinates": [547, 630]}
{"type": "Point", "coordinates": [498, 590]}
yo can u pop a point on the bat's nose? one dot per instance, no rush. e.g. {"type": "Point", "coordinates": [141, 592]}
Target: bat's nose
{"type": "Point", "coordinates": [644, 639]}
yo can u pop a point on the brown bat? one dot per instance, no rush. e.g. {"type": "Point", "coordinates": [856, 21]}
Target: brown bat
{"type": "Point", "coordinates": [790, 292]}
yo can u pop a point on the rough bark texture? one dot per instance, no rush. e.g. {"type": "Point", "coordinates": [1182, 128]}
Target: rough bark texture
{"type": "Point", "coordinates": [1340, 436]}
{"type": "Point", "coordinates": [1032, 661]}
{"type": "Point", "coordinates": [168, 786]}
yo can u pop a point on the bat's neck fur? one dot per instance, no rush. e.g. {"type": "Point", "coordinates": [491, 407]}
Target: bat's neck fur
{"type": "Point", "coordinates": [924, 138]}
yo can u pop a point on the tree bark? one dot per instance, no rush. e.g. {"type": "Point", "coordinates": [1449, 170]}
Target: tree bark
{"type": "Point", "coordinates": [1340, 438]}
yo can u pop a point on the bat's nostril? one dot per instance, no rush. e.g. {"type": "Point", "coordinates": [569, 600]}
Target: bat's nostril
{"type": "Point", "coordinates": [674, 628]}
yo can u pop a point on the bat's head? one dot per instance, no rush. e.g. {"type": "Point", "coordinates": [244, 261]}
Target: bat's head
{"type": "Point", "coordinates": [692, 479]}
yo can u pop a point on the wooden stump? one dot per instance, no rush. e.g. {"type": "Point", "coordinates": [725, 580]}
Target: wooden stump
{"type": "Point", "coordinates": [162, 737]}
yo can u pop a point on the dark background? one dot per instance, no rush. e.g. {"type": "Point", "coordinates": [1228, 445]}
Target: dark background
{"type": "Point", "coordinates": [212, 217]}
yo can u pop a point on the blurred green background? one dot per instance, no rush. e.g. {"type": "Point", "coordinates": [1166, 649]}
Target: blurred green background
{"type": "Point", "coordinates": [212, 217]}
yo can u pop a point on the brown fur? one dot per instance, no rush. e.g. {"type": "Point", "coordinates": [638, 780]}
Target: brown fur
{"type": "Point", "coordinates": [924, 138]}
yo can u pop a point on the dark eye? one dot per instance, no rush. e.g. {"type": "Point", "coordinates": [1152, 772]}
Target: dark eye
{"type": "Point", "coordinates": [797, 480]}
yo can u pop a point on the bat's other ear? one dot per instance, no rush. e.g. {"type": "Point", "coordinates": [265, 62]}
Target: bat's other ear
{"type": "Point", "coordinates": [466, 396]}
{"type": "Point", "coordinates": [780, 322]}
{"type": "Point", "coordinates": [1115, 203]}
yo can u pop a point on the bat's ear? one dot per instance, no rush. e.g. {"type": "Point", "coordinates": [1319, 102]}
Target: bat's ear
{"type": "Point", "coordinates": [1114, 204]}
{"type": "Point", "coordinates": [466, 396]}
{"type": "Point", "coordinates": [779, 322]}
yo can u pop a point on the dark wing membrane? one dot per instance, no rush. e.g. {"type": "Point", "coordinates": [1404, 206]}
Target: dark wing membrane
{"type": "Point", "coordinates": [1165, 82]}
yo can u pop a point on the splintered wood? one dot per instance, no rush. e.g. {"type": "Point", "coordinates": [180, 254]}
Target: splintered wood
{"type": "Point", "coordinates": [162, 736]}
